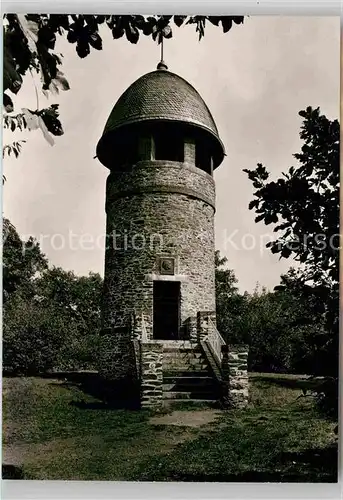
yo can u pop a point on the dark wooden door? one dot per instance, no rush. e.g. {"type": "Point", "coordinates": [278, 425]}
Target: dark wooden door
{"type": "Point", "coordinates": [166, 310]}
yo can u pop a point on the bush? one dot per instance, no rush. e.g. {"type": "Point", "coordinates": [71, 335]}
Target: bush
{"type": "Point", "coordinates": [327, 397]}
{"type": "Point", "coordinates": [78, 353]}
{"type": "Point", "coordinates": [33, 336]}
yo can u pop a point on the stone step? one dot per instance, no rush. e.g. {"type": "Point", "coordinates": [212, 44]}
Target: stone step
{"type": "Point", "coordinates": [184, 386]}
{"type": "Point", "coordinates": [185, 369]}
{"type": "Point", "coordinates": [202, 377]}
{"type": "Point", "coordinates": [189, 372]}
{"type": "Point", "coordinates": [187, 361]}
{"type": "Point", "coordinates": [190, 395]}
{"type": "Point", "coordinates": [183, 350]}
{"type": "Point", "coordinates": [186, 364]}
{"type": "Point", "coordinates": [177, 361]}
{"type": "Point", "coordinates": [177, 344]}
{"type": "Point", "coordinates": [167, 402]}
{"type": "Point", "coordinates": [183, 360]}
{"type": "Point", "coordinates": [183, 354]}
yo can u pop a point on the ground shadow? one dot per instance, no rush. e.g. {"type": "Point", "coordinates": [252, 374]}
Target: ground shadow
{"type": "Point", "coordinates": [290, 383]}
{"type": "Point", "coordinates": [318, 462]}
{"type": "Point", "coordinates": [254, 477]}
{"type": "Point", "coordinates": [109, 405]}
{"type": "Point", "coordinates": [108, 395]}
{"type": "Point", "coordinates": [12, 472]}
{"type": "Point", "coordinates": [312, 465]}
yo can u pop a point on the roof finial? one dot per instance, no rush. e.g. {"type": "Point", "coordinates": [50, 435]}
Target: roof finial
{"type": "Point", "coordinates": [162, 64]}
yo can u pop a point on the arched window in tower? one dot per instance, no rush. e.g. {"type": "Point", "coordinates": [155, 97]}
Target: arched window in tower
{"type": "Point", "coordinates": [168, 144]}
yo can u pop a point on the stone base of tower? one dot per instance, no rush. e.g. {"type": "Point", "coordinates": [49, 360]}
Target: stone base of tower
{"type": "Point", "coordinates": [153, 373]}
{"type": "Point", "coordinates": [118, 371]}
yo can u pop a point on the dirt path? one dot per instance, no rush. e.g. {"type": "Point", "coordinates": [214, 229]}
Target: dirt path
{"type": "Point", "coordinates": [17, 454]}
{"type": "Point", "coordinates": [187, 418]}
{"type": "Point", "coordinates": [14, 454]}
{"type": "Point", "coordinates": [159, 436]}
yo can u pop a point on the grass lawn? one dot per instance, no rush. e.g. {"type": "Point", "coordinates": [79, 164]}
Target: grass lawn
{"type": "Point", "coordinates": [53, 429]}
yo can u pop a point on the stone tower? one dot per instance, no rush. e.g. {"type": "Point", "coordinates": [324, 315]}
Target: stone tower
{"type": "Point", "coordinates": [161, 146]}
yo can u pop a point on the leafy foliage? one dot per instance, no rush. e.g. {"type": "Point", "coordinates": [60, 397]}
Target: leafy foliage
{"type": "Point", "coordinates": [304, 206]}
{"type": "Point", "coordinates": [51, 316]}
{"type": "Point", "coordinates": [284, 331]}
{"type": "Point", "coordinates": [77, 297]}
{"type": "Point", "coordinates": [33, 336]}
{"type": "Point", "coordinates": [46, 119]}
{"type": "Point", "coordinates": [283, 328]}
{"type": "Point", "coordinates": [230, 304]}
{"type": "Point", "coordinates": [83, 31]}
{"type": "Point", "coordinates": [29, 45]}
{"type": "Point", "coordinates": [14, 148]}
{"type": "Point", "coordinates": [304, 203]}
{"type": "Point", "coordinates": [22, 261]}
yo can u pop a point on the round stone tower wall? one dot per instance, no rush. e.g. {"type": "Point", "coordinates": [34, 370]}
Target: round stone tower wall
{"type": "Point", "coordinates": [155, 210]}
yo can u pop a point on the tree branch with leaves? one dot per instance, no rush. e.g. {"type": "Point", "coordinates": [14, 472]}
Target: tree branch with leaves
{"type": "Point", "coordinates": [303, 205]}
{"type": "Point", "coordinates": [29, 46]}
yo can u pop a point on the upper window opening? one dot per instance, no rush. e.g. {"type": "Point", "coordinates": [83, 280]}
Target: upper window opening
{"type": "Point", "coordinates": [168, 146]}
{"type": "Point", "coordinates": [203, 157]}
{"type": "Point", "coordinates": [128, 152]}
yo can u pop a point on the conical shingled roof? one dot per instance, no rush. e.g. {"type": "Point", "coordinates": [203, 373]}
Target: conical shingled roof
{"type": "Point", "coordinates": [162, 96]}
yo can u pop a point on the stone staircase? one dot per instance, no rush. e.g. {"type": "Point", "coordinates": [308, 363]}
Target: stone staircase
{"type": "Point", "coordinates": [187, 375]}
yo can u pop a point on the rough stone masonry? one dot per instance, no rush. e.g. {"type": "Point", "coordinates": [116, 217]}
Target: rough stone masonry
{"type": "Point", "coordinates": [161, 146]}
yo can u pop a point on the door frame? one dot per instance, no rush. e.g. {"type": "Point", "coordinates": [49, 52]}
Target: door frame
{"type": "Point", "coordinates": [178, 306]}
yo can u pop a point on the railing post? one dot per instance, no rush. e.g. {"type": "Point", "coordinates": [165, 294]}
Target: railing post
{"type": "Point", "coordinates": [191, 325]}
{"type": "Point", "coordinates": [238, 381]}
{"type": "Point", "coordinates": [151, 375]}
{"type": "Point", "coordinates": [203, 323]}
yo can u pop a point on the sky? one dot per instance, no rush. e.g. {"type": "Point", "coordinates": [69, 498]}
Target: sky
{"type": "Point", "coordinates": [254, 79]}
